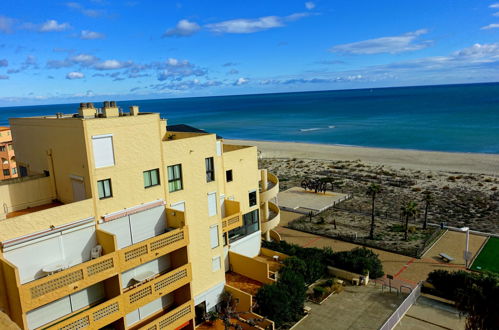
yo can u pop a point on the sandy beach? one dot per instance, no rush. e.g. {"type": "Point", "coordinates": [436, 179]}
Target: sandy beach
{"type": "Point", "coordinates": [396, 158]}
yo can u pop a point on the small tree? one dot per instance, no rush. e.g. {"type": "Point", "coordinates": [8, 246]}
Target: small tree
{"type": "Point", "coordinates": [372, 190]}
{"type": "Point", "coordinates": [409, 210]}
{"type": "Point", "coordinates": [428, 200]}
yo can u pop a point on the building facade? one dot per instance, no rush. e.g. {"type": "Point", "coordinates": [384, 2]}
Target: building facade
{"type": "Point", "coordinates": [118, 222]}
{"type": "Point", "coordinates": [8, 158]}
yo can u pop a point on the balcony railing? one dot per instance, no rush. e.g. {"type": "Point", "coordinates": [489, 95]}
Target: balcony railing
{"type": "Point", "coordinates": [76, 278]}
{"type": "Point", "coordinates": [156, 288]}
{"type": "Point", "coordinates": [50, 288]}
{"type": "Point", "coordinates": [274, 218]}
{"type": "Point", "coordinates": [173, 319]}
{"type": "Point", "coordinates": [93, 318]}
{"type": "Point", "coordinates": [271, 190]}
{"type": "Point", "coordinates": [153, 248]}
{"type": "Point", "coordinates": [233, 217]}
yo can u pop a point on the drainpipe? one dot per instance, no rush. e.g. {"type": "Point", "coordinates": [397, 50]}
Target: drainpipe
{"type": "Point", "coordinates": [52, 172]}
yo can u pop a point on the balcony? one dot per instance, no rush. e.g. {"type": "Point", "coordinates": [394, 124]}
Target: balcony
{"type": "Point", "coordinates": [153, 248]}
{"type": "Point", "coordinates": [76, 278]}
{"type": "Point", "coordinates": [271, 189]}
{"type": "Point", "coordinates": [93, 318]}
{"type": "Point", "coordinates": [233, 217]}
{"type": "Point", "coordinates": [160, 286]}
{"type": "Point", "coordinates": [172, 319]}
{"type": "Point", "coordinates": [274, 217]}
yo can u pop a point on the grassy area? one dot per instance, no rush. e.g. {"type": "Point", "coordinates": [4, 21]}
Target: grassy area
{"type": "Point", "coordinates": [488, 259]}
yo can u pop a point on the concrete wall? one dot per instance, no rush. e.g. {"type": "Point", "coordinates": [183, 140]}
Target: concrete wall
{"type": "Point", "coordinates": [210, 296]}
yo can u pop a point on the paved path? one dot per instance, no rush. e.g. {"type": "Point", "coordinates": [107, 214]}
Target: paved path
{"type": "Point", "coordinates": [357, 307]}
{"type": "Point", "coordinates": [407, 270]}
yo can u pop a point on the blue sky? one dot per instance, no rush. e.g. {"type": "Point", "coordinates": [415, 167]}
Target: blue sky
{"type": "Point", "coordinates": [58, 52]}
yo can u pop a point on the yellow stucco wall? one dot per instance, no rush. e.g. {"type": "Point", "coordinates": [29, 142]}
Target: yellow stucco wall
{"type": "Point", "coordinates": [136, 144]}
{"type": "Point", "coordinates": [25, 192]}
{"type": "Point", "coordinates": [191, 153]}
{"type": "Point", "coordinates": [55, 145]}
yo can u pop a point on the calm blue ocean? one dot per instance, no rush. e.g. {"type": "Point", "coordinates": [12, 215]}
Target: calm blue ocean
{"type": "Point", "coordinates": [456, 118]}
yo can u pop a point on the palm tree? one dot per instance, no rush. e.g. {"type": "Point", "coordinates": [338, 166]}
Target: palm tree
{"type": "Point", "coordinates": [372, 190]}
{"type": "Point", "coordinates": [428, 199]}
{"type": "Point", "coordinates": [409, 210]}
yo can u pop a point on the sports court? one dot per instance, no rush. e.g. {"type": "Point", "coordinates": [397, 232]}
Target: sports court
{"type": "Point", "coordinates": [488, 258]}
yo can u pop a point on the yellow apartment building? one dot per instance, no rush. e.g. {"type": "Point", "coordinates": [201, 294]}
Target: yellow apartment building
{"type": "Point", "coordinates": [119, 221]}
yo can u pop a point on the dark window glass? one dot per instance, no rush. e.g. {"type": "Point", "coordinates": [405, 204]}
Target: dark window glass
{"type": "Point", "coordinates": [104, 188]}
{"type": "Point", "coordinates": [210, 169]}
{"type": "Point", "coordinates": [175, 177]}
{"type": "Point", "coordinates": [151, 178]}
{"type": "Point", "coordinates": [6, 172]}
{"type": "Point", "coordinates": [23, 171]}
{"type": "Point", "coordinates": [250, 225]}
{"type": "Point", "coordinates": [228, 175]}
{"type": "Point", "coordinates": [252, 198]}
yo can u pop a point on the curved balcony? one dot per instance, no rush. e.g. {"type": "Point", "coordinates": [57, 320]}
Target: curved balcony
{"type": "Point", "coordinates": [271, 190]}
{"type": "Point", "coordinates": [273, 219]}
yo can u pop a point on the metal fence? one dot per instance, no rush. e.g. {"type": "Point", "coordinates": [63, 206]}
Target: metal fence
{"type": "Point", "coordinates": [402, 309]}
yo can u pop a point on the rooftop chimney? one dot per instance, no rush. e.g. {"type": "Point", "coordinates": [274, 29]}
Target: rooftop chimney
{"type": "Point", "coordinates": [86, 110]}
{"type": "Point", "coordinates": [134, 110]}
{"type": "Point", "coordinates": [110, 109]}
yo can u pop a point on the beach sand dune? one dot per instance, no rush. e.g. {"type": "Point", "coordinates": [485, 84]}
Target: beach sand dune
{"type": "Point", "coordinates": [397, 158]}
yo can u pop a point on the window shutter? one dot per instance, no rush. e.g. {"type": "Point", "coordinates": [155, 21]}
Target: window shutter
{"type": "Point", "coordinates": [212, 204]}
{"type": "Point", "coordinates": [215, 264]}
{"type": "Point", "coordinates": [214, 236]}
{"type": "Point", "coordinates": [103, 150]}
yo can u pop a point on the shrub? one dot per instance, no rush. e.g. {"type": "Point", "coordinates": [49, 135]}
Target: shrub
{"type": "Point", "coordinates": [319, 291]}
{"type": "Point", "coordinates": [297, 265]}
{"type": "Point", "coordinates": [358, 260]}
{"type": "Point", "coordinates": [328, 282]}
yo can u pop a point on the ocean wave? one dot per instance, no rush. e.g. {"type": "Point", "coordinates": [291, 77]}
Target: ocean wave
{"type": "Point", "coordinates": [316, 128]}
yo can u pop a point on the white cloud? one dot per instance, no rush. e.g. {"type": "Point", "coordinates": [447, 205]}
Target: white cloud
{"type": "Point", "coordinates": [184, 28]}
{"type": "Point", "coordinates": [495, 14]}
{"type": "Point", "coordinates": [244, 25]}
{"type": "Point", "coordinates": [112, 65]}
{"type": "Point", "coordinates": [494, 5]}
{"type": "Point", "coordinates": [490, 26]}
{"type": "Point", "coordinates": [176, 69]}
{"type": "Point", "coordinates": [90, 35]}
{"type": "Point", "coordinates": [309, 5]}
{"type": "Point", "coordinates": [396, 44]}
{"type": "Point", "coordinates": [53, 26]}
{"type": "Point", "coordinates": [85, 59]}
{"type": "Point", "coordinates": [85, 11]}
{"type": "Point", "coordinates": [241, 81]}
{"type": "Point", "coordinates": [75, 75]}
{"type": "Point", "coordinates": [6, 24]}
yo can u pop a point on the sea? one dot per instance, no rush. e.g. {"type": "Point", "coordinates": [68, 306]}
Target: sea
{"type": "Point", "coordinates": [451, 118]}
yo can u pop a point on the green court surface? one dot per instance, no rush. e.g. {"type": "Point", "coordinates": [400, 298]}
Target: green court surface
{"type": "Point", "coordinates": [488, 259]}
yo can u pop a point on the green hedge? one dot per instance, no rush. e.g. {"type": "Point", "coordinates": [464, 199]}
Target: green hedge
{"type": "Point", "coordinates": [359, 260]}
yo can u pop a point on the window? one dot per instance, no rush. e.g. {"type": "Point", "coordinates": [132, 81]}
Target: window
{"type": "Point", "coordinates": [210, 169]}
{"type": "Point", "coordinates": [104, 187]}
{"type": "Point", "coordinates": [103, 150]}
{"type": "Point", "coordinates": [212, 204]}
{"type": "Point", "coordinates": [23, 171]}
{"type": "Point", "coordinates": [2, 148]}
{"type": "Point", "coordinates": [6, 172]}
{"type": "Point", "coordinates": [252, 198]}
{"type": "Point", "coordinates": [228, 175]}
{"type": "Point", "coordinates": [151, 178]}
{"type": "Point", "coordinates": [175, 177]}
{"type": "Point", "coordinates": [215, 263]}
{"type": "Point", "coordinates": [250, 225]}
{"type": "Point", "coordinates": [14, 170]}
{"type": "Point", "coordinates": [214, 236]}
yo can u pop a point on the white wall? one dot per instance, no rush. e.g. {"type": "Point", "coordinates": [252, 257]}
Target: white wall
{"type": "Point", "coordinates": [249, 245]}
{"type": "Point", "coordinates": [211, 296]}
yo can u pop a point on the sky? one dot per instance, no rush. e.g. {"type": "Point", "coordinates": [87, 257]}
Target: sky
{"type": "Point", "coordinates": [60, 52]}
